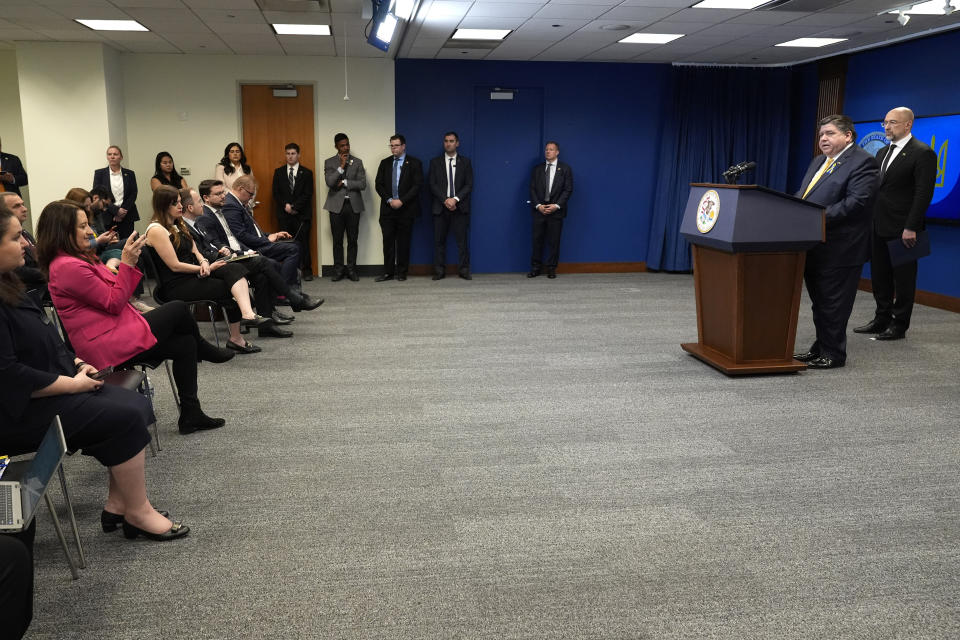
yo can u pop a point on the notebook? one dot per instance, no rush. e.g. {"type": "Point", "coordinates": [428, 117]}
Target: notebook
{"type": "Point", "coordinates": [19, 499]}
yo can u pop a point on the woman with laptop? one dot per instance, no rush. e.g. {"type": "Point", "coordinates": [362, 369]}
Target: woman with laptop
{"type": "Point", "coordinates": [40, 379]}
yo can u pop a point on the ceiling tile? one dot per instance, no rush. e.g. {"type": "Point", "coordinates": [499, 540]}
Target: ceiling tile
{"type": "Point", "coordinates": [573, 11]}
{"type": "Point", "coordinates": [238, 17]}
{"type": "Point", "coordinates": [676, 4]}
{"type": "Point", "coordinates": [501, 10]}
{"type": "Point", "coordinates": [462, 54]}
{"type": "Point", "coordinates": [537, 28]}
{"type": "Point", "coordinates": [828, 19]}
{"type": "Point", "coordinates": [705, 15]}
{"type": "Point", "coordinates": [447, 9]}
{"type": "Point", "coordinates": [259, 45]}
{"type": "Point", "coordinates": [639, 14]}
{"type": "Point", "coordinates": [289, 17]}
{"type": "Point", "coordinates": [490, 23]}
{"type": "Point", "coordinates": [173, 21]}
{"type": "Point", "coordinates": [155, 4]}
{"type": "Point", "coordinates": [243, 28]}
{"type": "Point", "coordinates": [232, 5]}
{"type": "Point", "coordinates": [616, 52]}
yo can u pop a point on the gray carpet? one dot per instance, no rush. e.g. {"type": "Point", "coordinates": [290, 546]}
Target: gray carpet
{"type": "Point", "coordinates": [513, 458]}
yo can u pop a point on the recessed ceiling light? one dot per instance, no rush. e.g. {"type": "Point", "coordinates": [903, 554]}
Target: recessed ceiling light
{"type": "Point", "coordinates": [480, 34]}
{"type": "Point", "coordinates": [113, 25]}
{"type": "Point", "coordinates": [810, 42]}
{"type": "Point", "coordinates": [402, 9]}
{"type": "Point", "coordinates": [301, 29]}
{"type": "Point", "coordinates": [729, 4]}
{"type": "Point", "coordinates": [651, 38]}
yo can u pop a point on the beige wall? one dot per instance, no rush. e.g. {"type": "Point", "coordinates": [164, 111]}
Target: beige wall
{"type": "Point", "coordinates": [11, 125]}
{"type": "Point", "coordinates": [64, 114]}
{"type": "Point", "coordinates": [80, 98]}
{"type": "Point", "coordinates": [189, 105]}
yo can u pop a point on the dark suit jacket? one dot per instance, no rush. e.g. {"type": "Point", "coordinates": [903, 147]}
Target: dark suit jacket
{"type": "Point", "coordinates": [906, 189]}
{"type": "Point", "coordinates": [408, 187]}
{"type": "Point", "coordinates": [462, 182]}
{"type": "Point", "coordinates": [102, 177]}
{"type": "Point", "coordinates": [206, 248]}
{"type": "Point", "coordinates": [242, 223]}
{"type": "Point", "coordinates": [11, 163]}
{"type": "Point", "coordinates": [302, 197]}
{"type": "Point", "coordinates": [559, 193]}
{"type": "Point", "coordinates": [30, 273]}
{"type": "Point", "coordinates": [847, 193]}
{"type": "Point", "coordinates": [213, 230]}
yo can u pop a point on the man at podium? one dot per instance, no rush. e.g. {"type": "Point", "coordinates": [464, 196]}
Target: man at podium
{"type": "Point", "coordinates": [844, 180]}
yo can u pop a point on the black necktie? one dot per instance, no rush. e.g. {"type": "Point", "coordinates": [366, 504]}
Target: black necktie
{"type": "Point", "coordinates": [291, 179]}
{"type": "Point", "coordinates": [450, 179]}
{"type": "Point", "coordinates": [886, 160]}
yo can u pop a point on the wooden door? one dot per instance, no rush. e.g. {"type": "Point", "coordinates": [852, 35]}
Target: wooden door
{"type": "Point", "coordinates": [270, 123]}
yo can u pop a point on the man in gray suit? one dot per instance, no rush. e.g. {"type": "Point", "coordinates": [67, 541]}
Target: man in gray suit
{"type": "Point", "coordinates": [346, 180]}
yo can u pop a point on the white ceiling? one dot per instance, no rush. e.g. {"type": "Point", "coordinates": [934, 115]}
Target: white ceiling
{"type": "Point", "coordinates": [557, 30]}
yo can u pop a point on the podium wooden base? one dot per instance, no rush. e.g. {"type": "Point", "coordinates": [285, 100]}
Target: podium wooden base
{"type": "Point", "coordinates": [732, 368]}
{"type": "Point", "coordinates": [747, 307]}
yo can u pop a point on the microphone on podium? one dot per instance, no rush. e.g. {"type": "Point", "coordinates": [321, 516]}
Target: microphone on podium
{"type": "Point", "coordinates": [731, 174]}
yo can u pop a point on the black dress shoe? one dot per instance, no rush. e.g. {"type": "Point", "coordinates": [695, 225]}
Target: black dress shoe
{"type": "Point", "coordinates": [178, 530]}
{"type": "Point", "coordinates": [533, 274]}
{"type": "Point", "coordinates": [248, 347]}
{"type": "Point", "coordinates": [439, 276]}
{"type": "Point", "coordinates": [303, 302]}
{"type": "Point", "coordinates": [401, 278]}
{"type": "Point", "coordinates": [255, 321]}
{"type": "Point", "coordinates": [307, 277]}
{"type": "Point", "coordinates": [281, 318]}
{"type": "Point", "coordinates": [340, 275]}
{"type": "Point", "coordinates": [110, 521]}
{"type": "Point", "coordinates": [874, 326]}
{"type": "Point", "coordinates": [273, 331]}
{"type": "Point", "coordinates": [383, 278]}
{"type": "Point", "coordinates": [892, 333]}
{"type": "Point", "coordinates": [466, 276]}
{"type": "Point", "coordinates": [824, 362]}
{"type": "Point", "coordinates": [551, 275]}
{"type": "Point", "coordinates": [353, 275]}
{"type": "Point", "coordinates": [806, 356]}
{"type": "Point", "coordinates": [211, 353]}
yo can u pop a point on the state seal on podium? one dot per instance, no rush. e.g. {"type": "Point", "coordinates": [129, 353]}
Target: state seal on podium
{"type": "Point", "coordinates": [708, 211]}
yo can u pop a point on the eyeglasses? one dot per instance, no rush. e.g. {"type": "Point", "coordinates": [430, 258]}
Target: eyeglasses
{"type": "Point", "coordinates": [248, 191]}
{"type": "Point", "coordinates": [891, 123]}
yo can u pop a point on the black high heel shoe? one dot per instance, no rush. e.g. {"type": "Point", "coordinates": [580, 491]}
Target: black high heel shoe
{"type": "Point", "coordinates": [178, 530]}
{"type": "Point", "coordinates": [110, 521]}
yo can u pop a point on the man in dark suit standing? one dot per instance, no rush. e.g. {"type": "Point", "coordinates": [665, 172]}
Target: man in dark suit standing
{"type": "Point", "coordinates": [908, 172]}
{"type": "Point", "coordinates": [398, 182]}
{"type": "Point", "coordinates": [293, 195]}
{"type": "Point", "coordinates": [551, 185]}
{"type": "Point", "coordinates": [346, 179]}
{"type": "Point", "coordinates": [451, 181]}
{"type": "Point", "coordinates": [12, 174]}
{"type": "Point", "coordinates": [844, 181]}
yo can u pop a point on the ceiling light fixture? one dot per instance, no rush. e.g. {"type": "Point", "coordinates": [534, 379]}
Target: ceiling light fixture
{"type": "Point", "coordinates": [112, 25]}
{"type": "Point", "coordinates": [480, 34]}
{"type": "Point", "coordinates": [743, 5]}
{"type": "Point", "coordinates": [651, 38]}
{"type": "Point", "coordinates": [810, 42]}
{"type": "Point", "coordinates": [928, 8]}
{"type": "Point", "coordinates": [301, 29]}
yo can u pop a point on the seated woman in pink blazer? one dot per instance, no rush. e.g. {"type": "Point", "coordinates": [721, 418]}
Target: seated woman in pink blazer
{"type": "Point", "coordinates": [104, 329]}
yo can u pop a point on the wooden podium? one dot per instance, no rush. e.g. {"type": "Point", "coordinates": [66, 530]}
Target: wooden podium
{"type": "Point", "coordinates": [749, 248]}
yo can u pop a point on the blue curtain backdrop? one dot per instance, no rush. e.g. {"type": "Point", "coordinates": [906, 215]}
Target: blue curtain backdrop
{"type": "Point", "coordinates": [718, 117]}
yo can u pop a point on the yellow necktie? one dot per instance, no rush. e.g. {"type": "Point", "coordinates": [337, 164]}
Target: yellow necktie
{"type": "Point", "coordinates": [819, 175]}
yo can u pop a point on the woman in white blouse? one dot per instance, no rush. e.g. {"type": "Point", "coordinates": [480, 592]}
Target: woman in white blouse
{"type": "Point", "coordinates": [232, 165]}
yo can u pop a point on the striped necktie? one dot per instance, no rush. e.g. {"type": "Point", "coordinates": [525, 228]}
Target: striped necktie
{"type": "Point", "coordinates": [824, 171]}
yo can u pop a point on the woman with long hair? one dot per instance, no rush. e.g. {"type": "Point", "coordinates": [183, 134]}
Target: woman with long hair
{"type": "Point", "coordinates": [166, 173]}
{"type": "Point", "coordinates": [104, 329]}
{"type": "Point", "coordinates": [184, 274]}
{"type": "Point", "coordinates": [232, 165]}
{"type": "Point", "coordinates": [40, 379]}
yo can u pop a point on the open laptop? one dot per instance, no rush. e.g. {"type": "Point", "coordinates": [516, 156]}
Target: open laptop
{"type": "Point", "coordinates": [19, 499]}
{"type": "Point", "coordinates": [295, 237]}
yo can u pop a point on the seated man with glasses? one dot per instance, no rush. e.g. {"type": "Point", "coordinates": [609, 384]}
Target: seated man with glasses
{"type": "Point", "coordinates": [246, 230]}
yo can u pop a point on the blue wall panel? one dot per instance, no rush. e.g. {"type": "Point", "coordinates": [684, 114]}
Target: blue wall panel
{"type": "Point", "coordinates": [607, 118]}
{"type": "Point", "coordinates": [924, 76]}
